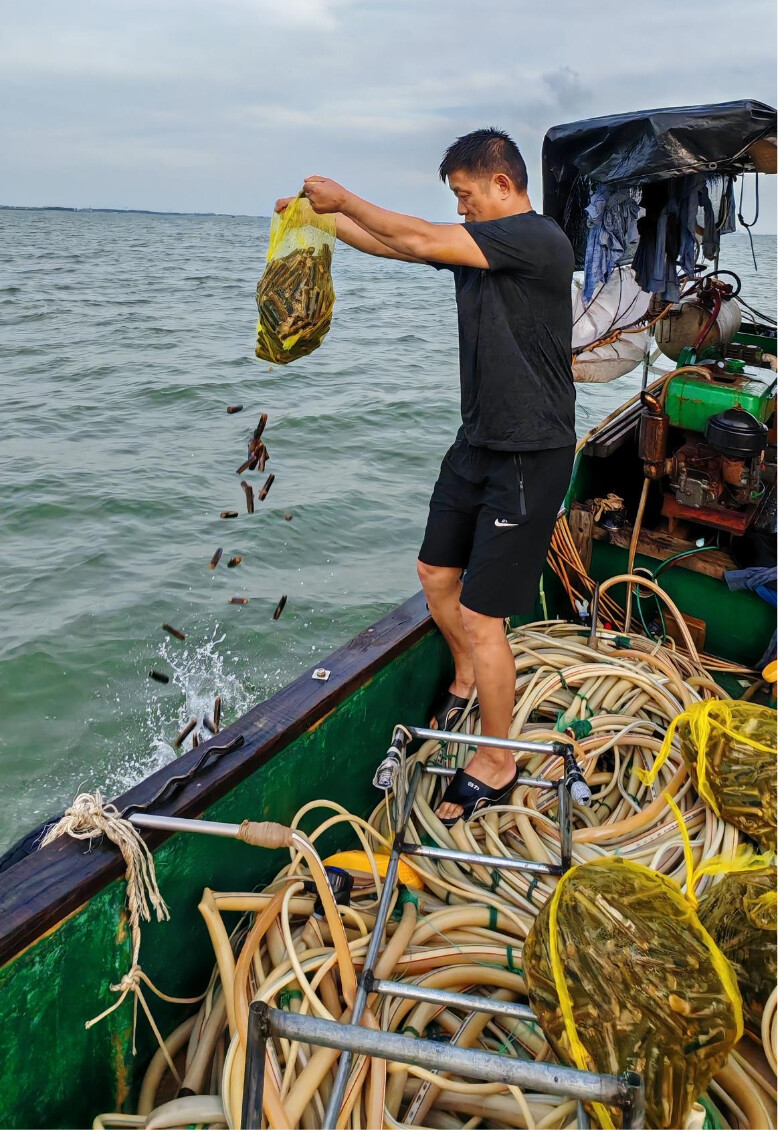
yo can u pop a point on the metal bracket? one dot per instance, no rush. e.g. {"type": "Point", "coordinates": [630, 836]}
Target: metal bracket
{"type": "Point", "coordinates": [353, 1037]}
{"type": "Point", "coordinates": [625, 1091]}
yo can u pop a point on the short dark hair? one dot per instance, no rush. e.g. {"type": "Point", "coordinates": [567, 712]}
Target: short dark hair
{"type": "Point", "coordinates": [483, 153]}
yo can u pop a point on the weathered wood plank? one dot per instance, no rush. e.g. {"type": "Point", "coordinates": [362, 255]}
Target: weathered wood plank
{"type": "Point", "coordinates": [660, 545]}
{"type": "Point", "coordinates": [581, 526]}
{"type": "Point", "coordinates": [696, 627]}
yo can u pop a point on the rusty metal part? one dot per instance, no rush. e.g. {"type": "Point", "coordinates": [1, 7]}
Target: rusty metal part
{"type": "Point", "coordinates": [654, 439]}
{"type": "Point", "coordinates": [736, 522]}
{"type": "Point", "coordinates": [734, 471]}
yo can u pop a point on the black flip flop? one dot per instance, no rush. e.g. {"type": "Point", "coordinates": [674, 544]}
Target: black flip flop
{"type": "Point", "coordinates": [450, 711]}
{"type": "Point", "coordinates": [473, 795]}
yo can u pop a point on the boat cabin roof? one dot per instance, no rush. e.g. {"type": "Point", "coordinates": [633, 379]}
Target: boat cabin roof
{"type": "Point", "coordinates": [654, 145]}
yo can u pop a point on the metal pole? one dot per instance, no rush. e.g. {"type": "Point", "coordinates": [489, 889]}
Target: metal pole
{"type": "Point", "coordinates": [593, 639]}
{"type": "Point", "coordinates": [471, 1002]}
{"type": "Point", "coordinates": [377, 937]}
{"type": "Point", "coordinates": [534, 783]}
{"type": "Point", "coordinates": [624, 1091]}
{"type": "Point", "coordinates": [483, 740]}
{"type": "Point", "coordinates": [565, 823]}
{"type": "Point", "coordinates": [646, 364]}
{"type": "Point", "coordinates": [183, 825]}
{"type": "Point", "coordinates": [476, 858]}
{"type": "Point", "coordinates": [634, 1109]}
{"type": "Point", "coordinates": [254, 1070]}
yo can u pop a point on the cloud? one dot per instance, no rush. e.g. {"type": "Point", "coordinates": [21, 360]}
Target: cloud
{"type": "Point", "coordinates": [188, 104]}
{"type": "Point", "coordinates": [568, 88]}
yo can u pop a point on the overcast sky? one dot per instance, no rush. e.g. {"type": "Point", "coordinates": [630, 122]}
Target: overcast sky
{"type": "Point", "coordinates": [223, 105]}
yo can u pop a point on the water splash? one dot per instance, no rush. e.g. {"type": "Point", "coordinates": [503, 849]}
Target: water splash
{"type": "Point", "coordinates": [199, 672]}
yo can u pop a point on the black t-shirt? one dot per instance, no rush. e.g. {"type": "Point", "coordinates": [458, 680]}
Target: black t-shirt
{"type": "Point", "coordinates": [514, 327]}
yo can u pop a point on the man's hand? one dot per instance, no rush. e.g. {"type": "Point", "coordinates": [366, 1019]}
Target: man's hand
{"type": "Point", "coordinates": [282, 203]}
{"type": "Point", "coordinates": [325, 195]}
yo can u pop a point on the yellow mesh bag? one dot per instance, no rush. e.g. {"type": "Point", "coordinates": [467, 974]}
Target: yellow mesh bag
{"type": "Point", "coordinates": [731, 751]}
{"type": "Point", "coordinates": [295, 296]}
{"type": "Point", "coordinates": [623, 976]}
{"type": "Point", "coordinates": [741, 915]}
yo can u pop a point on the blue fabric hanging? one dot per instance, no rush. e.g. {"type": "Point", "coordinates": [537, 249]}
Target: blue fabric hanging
{"type": "Point", "coordinates": [612, 215]}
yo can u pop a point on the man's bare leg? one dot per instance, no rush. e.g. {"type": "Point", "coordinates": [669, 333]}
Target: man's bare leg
{"type": "Point", "coordinates": [494, 669]}
{"type": "Point", "coordinates": [442, 586]}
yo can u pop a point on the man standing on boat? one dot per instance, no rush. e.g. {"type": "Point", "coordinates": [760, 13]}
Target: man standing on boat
{"type": "Point", "coordinates": [502, 482]}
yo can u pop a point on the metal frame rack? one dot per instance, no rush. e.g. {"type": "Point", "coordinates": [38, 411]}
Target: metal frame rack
{"type": "Point", "coordinates": [625, 1091]}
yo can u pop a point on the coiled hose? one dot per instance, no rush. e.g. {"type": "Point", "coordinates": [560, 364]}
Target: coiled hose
{"type": "Point", "coordinates": [464, 930]}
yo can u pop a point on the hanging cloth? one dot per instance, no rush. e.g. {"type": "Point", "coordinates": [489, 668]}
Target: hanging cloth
{"type": "Point", "coordinates": [612, 215]}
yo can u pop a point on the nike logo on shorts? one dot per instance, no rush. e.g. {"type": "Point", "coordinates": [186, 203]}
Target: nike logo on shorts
{"type": "Point", "coordinates": [503, 522]}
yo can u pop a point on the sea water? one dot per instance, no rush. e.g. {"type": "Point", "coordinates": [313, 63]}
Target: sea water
{"type": "Point", "coordinates": [123, 338]}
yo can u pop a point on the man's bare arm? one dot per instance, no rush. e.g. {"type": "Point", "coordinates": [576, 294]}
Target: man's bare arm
{"type": "Point", "coordinates": [417, 239]}
{"type": "Point", "coordinates": [351, 233]}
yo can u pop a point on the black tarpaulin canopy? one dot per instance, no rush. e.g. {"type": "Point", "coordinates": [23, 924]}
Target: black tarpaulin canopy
{"type": "Point", "coordinates": [653, 145]}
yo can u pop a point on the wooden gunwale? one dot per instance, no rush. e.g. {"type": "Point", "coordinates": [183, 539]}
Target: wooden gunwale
{"type": "Point", "coordinates": [47, 886]}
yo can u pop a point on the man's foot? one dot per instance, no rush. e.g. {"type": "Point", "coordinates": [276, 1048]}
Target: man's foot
{"type": "Point", "coordinates": [452, 704]}
{"type": "Point", "coordinates": [495, 768]}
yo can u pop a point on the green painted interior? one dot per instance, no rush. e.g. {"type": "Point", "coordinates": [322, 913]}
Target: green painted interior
{"type": "Point", "coordinates": [739, 625]}
{"type": "Point", "coordinates": [57, 1074]}
{"type": "Point", "coordinates": [53, 1072]}
{"type": "Point", "coordinates": [769, 345]}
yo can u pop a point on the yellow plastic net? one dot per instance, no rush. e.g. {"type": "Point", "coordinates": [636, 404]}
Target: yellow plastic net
{"type": "Point", "coordinates": [741, 915]}
{"type": "Point", "coordinates": [623, 976]}
{"type": "Point", "coordinates": [731, 750]}
{"type": "Point", "coordinates": [295, 296]}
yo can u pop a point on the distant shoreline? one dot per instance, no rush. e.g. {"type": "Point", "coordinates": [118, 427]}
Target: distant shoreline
{"type": "Point", "coordinates": [162, 212]}
{"type": "Point", "coordinates": [130, 211]}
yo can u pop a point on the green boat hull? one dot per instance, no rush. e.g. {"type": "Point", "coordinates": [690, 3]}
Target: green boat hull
{"type": "Point", "coordinates": [63, 931]}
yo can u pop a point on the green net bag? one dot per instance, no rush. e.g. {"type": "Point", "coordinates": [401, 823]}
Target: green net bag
{"type": "Point", "coordinates": [295, 296]}
{"type": "Point", "coordinates": [741, 915]}
{"type": "Point", "coordinates": [731, 750]}
{"type": "Point", "coordinates": [623, 977]}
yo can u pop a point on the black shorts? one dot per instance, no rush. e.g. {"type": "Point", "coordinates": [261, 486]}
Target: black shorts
{"type": "Point", "coordinates": [492, 513]}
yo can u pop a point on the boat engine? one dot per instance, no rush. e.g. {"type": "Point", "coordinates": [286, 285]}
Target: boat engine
{"type": "Point", "coordinates": [707, 443]}
{"type": "Point", "coordinates": [725, 469]}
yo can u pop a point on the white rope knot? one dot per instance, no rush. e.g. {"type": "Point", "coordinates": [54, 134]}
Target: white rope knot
{"type": "Point", "coordinates": [86, 819]}
{"type": "Point", "coordinates": [130, 981]}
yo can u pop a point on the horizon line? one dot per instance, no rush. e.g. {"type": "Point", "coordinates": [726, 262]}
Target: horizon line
{"type": "Point", "coordinates": [177, 212]}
